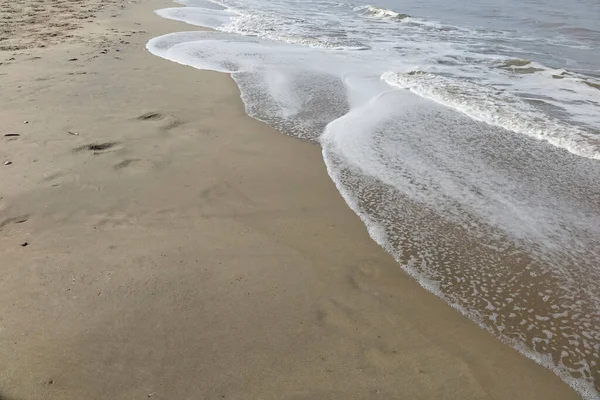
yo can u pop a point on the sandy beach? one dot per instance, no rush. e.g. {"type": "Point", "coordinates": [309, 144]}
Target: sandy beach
{"type": "Point", "coordinates": [156, 242]}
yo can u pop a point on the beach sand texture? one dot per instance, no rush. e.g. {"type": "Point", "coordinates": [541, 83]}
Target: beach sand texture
{"type": "Point", "coordinates": [158, 243]}
{"type": "Point", "coordinates": [38, 23]}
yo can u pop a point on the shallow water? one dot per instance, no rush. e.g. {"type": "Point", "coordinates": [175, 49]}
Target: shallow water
{"type": "Point", "coordinates": [465, 137]}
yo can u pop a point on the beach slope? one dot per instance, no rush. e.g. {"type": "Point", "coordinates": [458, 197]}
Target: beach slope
{"type": "Point", "coordinates": [156, 242]}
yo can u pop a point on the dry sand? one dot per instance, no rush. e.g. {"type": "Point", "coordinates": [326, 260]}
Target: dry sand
{"type": "Point", "coordinates": [26, 24]}
{"type": "Point", "coordinates": [178, 249]}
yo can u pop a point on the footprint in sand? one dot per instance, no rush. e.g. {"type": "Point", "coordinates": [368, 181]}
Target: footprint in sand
{"type": "Point", "coordinates": [98, 148]}
{"type": "Point", "coordinates": [55, 179]}
{"type": "Point", "coordinates": [112, 220]}
{"type": "Point", "coordinates": [164, 121]}
{"type": "Point", "coordinates": [334, 313]}
{"type": "Point", "coordinates": [134, 165]}
{"type": "Point", "coordinates": [13, 220]}
{"type": "Point", "coordinates": [126, 163]}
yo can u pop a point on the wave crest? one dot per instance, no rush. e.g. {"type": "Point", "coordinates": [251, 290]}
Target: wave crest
{"type": "Point", "coordinates": [498, 108]}
{"type": "Point", "coordinates": [376, 12]}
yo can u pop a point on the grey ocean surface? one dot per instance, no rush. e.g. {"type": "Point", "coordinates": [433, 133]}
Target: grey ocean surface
{"type": "Point", "coordinates": [556, 23]}
{"type": "Point", "coordinates": [465, 135]}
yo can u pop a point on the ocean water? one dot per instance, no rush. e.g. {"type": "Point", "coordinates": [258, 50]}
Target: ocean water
{"type": "Point", "coordinates": [466, 136]}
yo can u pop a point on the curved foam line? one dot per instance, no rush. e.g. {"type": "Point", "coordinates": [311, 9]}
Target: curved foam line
{"type": "Point", "coordinates": [501, 110]}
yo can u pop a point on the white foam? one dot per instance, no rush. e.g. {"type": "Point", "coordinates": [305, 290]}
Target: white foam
{"type": "Point", "coordinates": [497, 108]}
{"type": "Point", "coordinates": [205, 4]}
{"type": "Point", "coordinates": [377, 12]}
{"type": "Point", "coordinates": [378, 233]}
{"type": "Point", "coordinates": [424, 160]}
{"type": "Point", "coordinates": [295, 89]}
{"type": "Point", "coordinates": [205, 17]}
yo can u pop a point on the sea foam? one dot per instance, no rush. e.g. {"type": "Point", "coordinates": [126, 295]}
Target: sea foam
{"type": "Point", "coordinates": [499, 108]}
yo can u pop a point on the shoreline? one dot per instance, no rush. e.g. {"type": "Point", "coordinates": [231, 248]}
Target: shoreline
{"type": "Point", "coordinates": [174, 234]}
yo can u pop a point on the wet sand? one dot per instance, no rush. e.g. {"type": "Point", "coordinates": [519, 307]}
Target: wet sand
{"type": "Point", "coordinates": [158, 243]}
